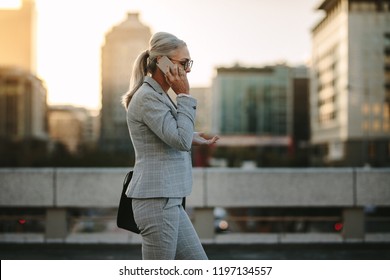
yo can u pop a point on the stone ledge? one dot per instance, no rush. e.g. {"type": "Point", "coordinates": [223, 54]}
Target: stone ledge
{"type": "Point", "coordinates": [222, 239]}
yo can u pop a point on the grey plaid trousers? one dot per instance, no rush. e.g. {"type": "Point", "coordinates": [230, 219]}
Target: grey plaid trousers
{"type": "Point", "coordinates": [167, 232]}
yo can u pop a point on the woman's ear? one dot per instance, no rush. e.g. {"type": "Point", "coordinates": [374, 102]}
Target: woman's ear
{"type": "Point", "coordinates": [152, 65]}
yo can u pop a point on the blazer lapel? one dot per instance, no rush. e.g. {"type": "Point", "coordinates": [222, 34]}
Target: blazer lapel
{"type": "Point", "coordinates": [168, 101]}
{"type": "Point", "coordinates": [171, 103]}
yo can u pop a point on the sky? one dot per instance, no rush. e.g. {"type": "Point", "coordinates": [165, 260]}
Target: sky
{"type": "Point", "coordinates": [70, 34]}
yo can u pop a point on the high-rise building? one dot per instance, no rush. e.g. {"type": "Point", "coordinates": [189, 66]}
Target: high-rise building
{"type": "Point", "coordinates": [74, 127]}
{"type": "Point", "coordinates": [122, 46]}
{"type": "Point", "coordinates": [23, 109]}
{"type": "Point", "coordinates": [254, 101]}
{"type": "Point", "coordinates": [18, 37]}
{"type": "Point", "coordinates": [350, 83]}
{"type": "Point", "coordinates": [260, 106]}
{"type": "Point", "coordinates": [23, 106]}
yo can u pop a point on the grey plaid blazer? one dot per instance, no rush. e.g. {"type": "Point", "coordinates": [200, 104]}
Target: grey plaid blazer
{"type": "Point", "coordinates": [162, 139]}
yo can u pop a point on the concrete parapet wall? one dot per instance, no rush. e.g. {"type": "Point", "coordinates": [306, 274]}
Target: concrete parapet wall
{"type": "Point", "coordinates": [213, 187]}
{"type": "Point", "coordinates": [28, 187]}
{"type": "Point", "coordinates": [373, 187]}
{"type": "Point", "coordinates": [58, 189]}
{"type": "Point", "coordinates": [89, 187]}
{"type": "Point", "coordinates": [279, 187]}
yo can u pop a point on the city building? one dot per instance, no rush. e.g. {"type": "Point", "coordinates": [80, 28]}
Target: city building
{"type": "Point", "coordinates": [252, 101]}
{"type": "Point", "coordinates": [23, 106]}
{"type": "Point", "coordinates": [18, 36]}
{"type": "Point", "coordinates": [123, 43]}
{"type": "Point", "coordinates": [259, 107]}
{"type": "Point", "coordinates": [75, 127]}
{"type": "Point", "coordinates": [22, 95]}
{"type": "Point", "coordinates": [350, 84]}
{"type": "Point", "coordinates": [203, 110]}
{"type": "Point", "coordinates": [201, 154]}
{"type": "Point", "coordinates": [23, 109]}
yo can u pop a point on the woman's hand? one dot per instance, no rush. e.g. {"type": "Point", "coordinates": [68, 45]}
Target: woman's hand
{"type": "Point", "coordinates": [200, 138]}
{"type": "Point", "coordinates": [176, 78]}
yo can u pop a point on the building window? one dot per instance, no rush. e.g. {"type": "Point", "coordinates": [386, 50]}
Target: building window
{"type": "Point", "coordinates": [372, 150]}
{"type": "Point", "coordinates": [387, 46]}
{"type": "Point", "coordinates": [386, 127]}
{"type": "Point", "coordinates": [362, 7]}
{"type": "Point", "coordinates": [11, 117]}
{"type": "Point", "coordinates": [388, 149]}
{"type": "Point", "coordinates": [387, 77]}
{"type": "Point", "coordinates": [376, 126]}
{"type": "Point", "coordinates": [387, 39]}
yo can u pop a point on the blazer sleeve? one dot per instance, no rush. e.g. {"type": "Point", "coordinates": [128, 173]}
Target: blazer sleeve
{"type": "Point", "coordinates": [176, 131]}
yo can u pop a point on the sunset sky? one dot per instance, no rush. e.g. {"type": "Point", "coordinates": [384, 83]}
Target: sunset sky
{"type": "Point", "coordinates": [70, 34]}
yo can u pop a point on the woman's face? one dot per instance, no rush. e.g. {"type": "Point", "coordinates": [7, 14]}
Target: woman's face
{"type": "Point", "coordinates": [182, 58]}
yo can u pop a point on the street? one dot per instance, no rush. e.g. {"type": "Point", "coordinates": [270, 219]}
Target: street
{"type": "Point", "coordinates": [351, 251]}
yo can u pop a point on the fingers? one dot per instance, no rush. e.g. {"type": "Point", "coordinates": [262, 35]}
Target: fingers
{"type": "Point", "coordinates": [175, 73]}
{"type": "Point", "coordinates": [176, 78]}
{"type": "Point", "coordinates": [201, 139]}
{"type": "Point", "coordinates": [181, 72]}
{"type": "Point", "coordinates": [213, 140]}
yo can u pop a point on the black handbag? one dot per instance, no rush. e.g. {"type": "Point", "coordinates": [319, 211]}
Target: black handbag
{"type": "Point", "coordinates": [125, 216]}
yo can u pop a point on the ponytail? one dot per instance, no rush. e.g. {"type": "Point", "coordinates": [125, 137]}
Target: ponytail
{"type": "Point", "coordinates": [140, 70]}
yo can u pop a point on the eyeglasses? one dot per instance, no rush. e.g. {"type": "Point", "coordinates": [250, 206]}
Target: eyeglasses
{"type": "Point", "coordinates": [187, 64]}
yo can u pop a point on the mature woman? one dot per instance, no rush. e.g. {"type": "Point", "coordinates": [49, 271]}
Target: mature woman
{"type": "Point", "coordinates": [162, 134]}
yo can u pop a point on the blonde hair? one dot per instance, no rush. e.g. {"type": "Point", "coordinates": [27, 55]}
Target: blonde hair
{"type": "Point", "coordinates": [161, 43]}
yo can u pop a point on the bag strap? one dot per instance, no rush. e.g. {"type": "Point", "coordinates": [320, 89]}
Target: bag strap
{"type": "Point", "coordinates": [173, 103]}
{"type": "Point", "coordinates": [126, 180]}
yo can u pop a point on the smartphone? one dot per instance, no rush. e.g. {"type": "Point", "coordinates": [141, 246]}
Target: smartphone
{"type": "Point", "coordinates": [163, 64]}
